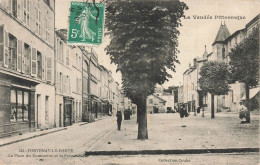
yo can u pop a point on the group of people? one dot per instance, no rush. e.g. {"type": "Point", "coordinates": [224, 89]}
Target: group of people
{"type": "Point", "coordinates": [243, 115]}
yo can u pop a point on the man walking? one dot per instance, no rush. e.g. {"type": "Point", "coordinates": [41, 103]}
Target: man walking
{"type": "Point", "coordinates": [119, 119]}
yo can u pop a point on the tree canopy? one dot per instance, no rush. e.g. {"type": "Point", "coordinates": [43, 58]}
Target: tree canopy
{"type": "Point", "coordinates": [244, 60]}
{"type": "Point", "coordinates": [214, 76]}
{"type": "Point", "coordinates": [144, 41]}
{"type": "Point", "coordinates": [214, 79]}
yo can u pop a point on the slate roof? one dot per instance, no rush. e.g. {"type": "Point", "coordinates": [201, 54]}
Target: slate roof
{"type": "Point", "coordinates": [223, 33]}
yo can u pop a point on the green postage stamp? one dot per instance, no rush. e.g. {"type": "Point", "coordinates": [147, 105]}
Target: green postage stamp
{"type": "Point", "coordinates": [86, 23]}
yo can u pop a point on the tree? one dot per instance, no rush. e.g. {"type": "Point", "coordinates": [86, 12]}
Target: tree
{"type": "Point", "coordinates": [214, 79]}
{"type": "Point", "coordinates": [244, 63]}
{"type": "Point", "coordinates": [143, 45]}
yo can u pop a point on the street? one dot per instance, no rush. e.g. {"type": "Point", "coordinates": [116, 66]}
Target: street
{"type": "Point", "coordinates": [165, 133]}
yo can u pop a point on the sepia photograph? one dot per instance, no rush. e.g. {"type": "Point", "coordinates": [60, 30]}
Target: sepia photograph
{"type": "Point", "coordinates": [129, 82]}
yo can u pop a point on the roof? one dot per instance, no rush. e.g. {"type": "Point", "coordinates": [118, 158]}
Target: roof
{"type": "Point", "coordinates": [223, 33]}
{"type": "Point", "coordinates": [252, 93]}
{"type": "Point", "coordinates": [210, 54]}
{"type": "Point", "coordinates": [253, 20]}
{"type": "Point", "coordinates": [234, 34]}
{"type": "Point", "coordinates": [159, 97]}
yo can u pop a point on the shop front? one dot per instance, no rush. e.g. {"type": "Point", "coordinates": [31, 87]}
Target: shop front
{"type": "Point", "coordinates": [17, 105]}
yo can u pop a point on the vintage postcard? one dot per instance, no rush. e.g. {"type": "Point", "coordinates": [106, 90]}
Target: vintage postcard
{"type": "Point", "coordinates": [129, 82]}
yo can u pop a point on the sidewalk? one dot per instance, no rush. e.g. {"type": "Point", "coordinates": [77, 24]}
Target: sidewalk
{"type": "Point", "coordinates": [38, 133]}
{"type": "Point", "coordinates": [224, 133]}
{"type": "Point", "coordinates": [27, 136]}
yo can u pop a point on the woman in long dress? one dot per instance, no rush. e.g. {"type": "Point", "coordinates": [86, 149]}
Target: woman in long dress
{"type": "Point", "coordinates": [84, 20]}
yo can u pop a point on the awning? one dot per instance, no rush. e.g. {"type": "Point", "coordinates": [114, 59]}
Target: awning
{"type": "Point", "coordinates": [252, 93]}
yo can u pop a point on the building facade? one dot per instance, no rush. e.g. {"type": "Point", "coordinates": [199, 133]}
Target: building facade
{"type": "Point", "coordinates": [44, 82]}
{"type": "Point", "coordinates": [193, 96]}
{"type": "Point", "coordinates": [26, 66]}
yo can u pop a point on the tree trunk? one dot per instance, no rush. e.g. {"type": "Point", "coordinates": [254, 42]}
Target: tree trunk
{"type": "Point", "coordinates": [137, 119]}
{"type": "Point", "coordinates": [247, 103]}
{"type": "Point", "coordinates": [142, 120]}
{"type": "Point", "coordinates": [212, 106]}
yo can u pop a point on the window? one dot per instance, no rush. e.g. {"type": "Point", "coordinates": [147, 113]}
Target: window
{"type": "Point", "coordinates": [38, 20]}
{"type": "Point", "coordinates": [47, 34]}
{"type": "Point", "coordinates": [12, 52]}
{"type": "Point", "coordinates": [49, 69]}
{"type": "Point", "coordinates": [150, 101]}
{"type": "Point", "coordinates": [26, 64]}
{"type": "Point", "coordinates": [46, 109]}
{"type": "Point", "coordinates": [26, 17]}
{"type": "Point", "coordinates": [223, 53]}
{"type": "Point", "coordinates": [34, 62]}
{"type": "Point", "coordinates": [39, 64]}
{"type": "Point", "coordinates": [61, 82]}
{"type": "Point", "coordinates": [61, 52]}
{"type": "Point", "coordinates": [19, 105]}
{"type": "Point", "coordinates": [12, 5]}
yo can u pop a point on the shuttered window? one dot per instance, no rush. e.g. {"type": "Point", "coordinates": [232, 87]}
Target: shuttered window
{"type": "Point", "coordinates": [34, 63]}
{"type": "Point", "coordinates": [2, 45]}
{"type": "Point", "coordinates": [26, 13]}
{"type": "Point", "coordinates": [49, 69]}
{"type": "Point", "coordinates": [39, 65]}
{"type": "Point", "coordinates": [26, 64]}
{"type": "Point", "coordinates": [43, 67]}
{"type": "Point", "coordinates": [20, 9]}
{"type": "Point", "coordinates": [19, 56]}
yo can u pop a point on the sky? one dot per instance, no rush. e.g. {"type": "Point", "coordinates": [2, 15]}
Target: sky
{"type": "Point", "coordinates": [194, 34]}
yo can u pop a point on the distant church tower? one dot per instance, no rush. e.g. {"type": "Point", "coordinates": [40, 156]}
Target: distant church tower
{"type": "Point", "coordinates": [219, 46]}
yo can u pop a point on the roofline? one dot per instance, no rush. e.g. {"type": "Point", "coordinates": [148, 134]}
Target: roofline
{"type": "Point", "coordinates": [215, 42]}
{"type": "Point", "coordinates": [235, 33]}
{"type": "Point", "coordinates": [159, 98]}
{"type": "Point", "coordinates": [253, 20]}
{"type": "Point", "coordinates": [210, 54]}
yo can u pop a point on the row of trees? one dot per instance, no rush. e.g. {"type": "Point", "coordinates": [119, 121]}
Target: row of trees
{"type": "Point", "coordinates": [243, 67]}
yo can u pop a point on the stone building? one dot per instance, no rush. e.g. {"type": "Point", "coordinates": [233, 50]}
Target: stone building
{"type": "Point", "coordinates": [104, 90]}
{"type": "Point", "coordinates": [86, 112]}
{"type": "Point", "coordinates": [155, 104]}
{"type": "Point", "coordinates": [94, 85]}
{"type": "Point", "coordinates": [224, 41]}
{"type": "Point", "coordinates": [68, 84]}
{"type": "Point", "coordinates": [26, 66]}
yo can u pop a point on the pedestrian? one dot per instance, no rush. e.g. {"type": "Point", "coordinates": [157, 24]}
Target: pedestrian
{"type": "Point", "coordinates": [243, 112]}
{"type": "Point", "coordinates": [119, 119]}
{"type": "Point", "coordinates": [198, 109]}
{"type": "Point", "coordinates": [183, 115]}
